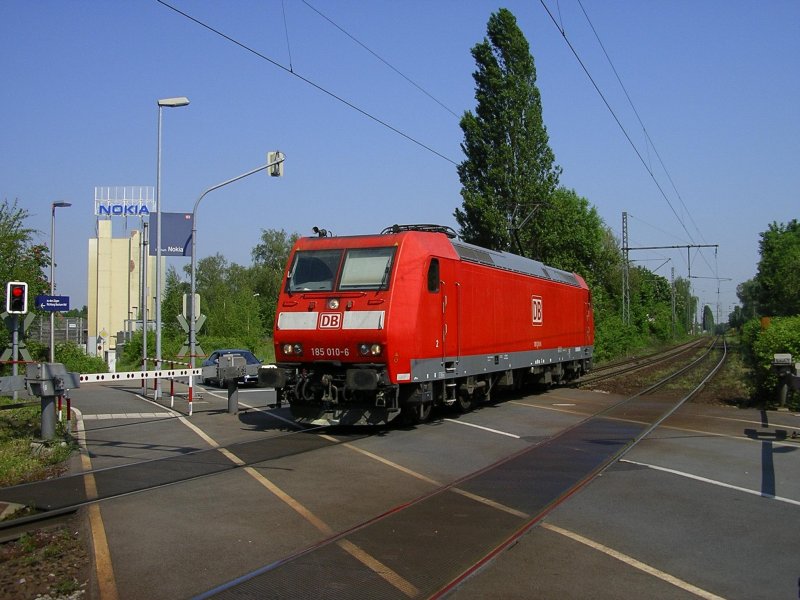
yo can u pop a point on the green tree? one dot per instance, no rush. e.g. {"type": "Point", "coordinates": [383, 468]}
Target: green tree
{"type": "Point", "coordinates": [269, 260]}
{"type": "Point", "coordinates": [708, 319]}
{"type": "Point", "coordinates": [172, 334]}
{"type": "Point", "coordinates": [20, 258]}
{"type": "Point", "coordinates": [685, 305]}
{"type": "Point", "coordinates": [78, 312]}
{"type": "Point", "coordinates": [778, 274]}
{"type": "Point", "coordinates": [748, 292]}
{"type": "Point", "coordinates": [736, 318]}
{"type": "Point", "coordinates": [509, 167]}
{"type": "Point", "coordinates": [570, 235]}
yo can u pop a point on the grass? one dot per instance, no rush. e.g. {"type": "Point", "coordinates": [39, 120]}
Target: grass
{"type": "Point", "coordinates": [21, 462]}
{"type": "Point", "coordinates": [44, 563]}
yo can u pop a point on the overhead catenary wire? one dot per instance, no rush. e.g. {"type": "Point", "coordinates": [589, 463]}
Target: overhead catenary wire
{"type": "Point", "coordinates": [380, 58]}
{"type": "Point", "coordinates": [614, 115]}
{"type": "Point", "coordinates": [308, 81]}
{"type": "Point", "coordinates": [286, 31]}
{"type": "Point", "coordinates": [639, 118]}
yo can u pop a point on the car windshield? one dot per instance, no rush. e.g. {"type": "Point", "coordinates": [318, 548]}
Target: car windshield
{"type": "Point", "coordinates": [248, 356]}
{"type": "Point", "coordinates": [363, 269]}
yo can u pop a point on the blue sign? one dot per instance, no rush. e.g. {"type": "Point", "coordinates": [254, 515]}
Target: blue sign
{"type": "Point", "coordinates": [52, 303]}
{"type": "Point", "coordinates": [176, 234]}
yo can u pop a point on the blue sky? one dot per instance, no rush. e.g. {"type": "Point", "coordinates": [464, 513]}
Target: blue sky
{"type": "Point", "coordinates": [716, 84]}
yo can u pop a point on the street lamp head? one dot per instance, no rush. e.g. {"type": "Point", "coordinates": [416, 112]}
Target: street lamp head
{"type": "Point", "coordinates": [61, 204]}
{"type": "Point", "coordinates": [173, 102]}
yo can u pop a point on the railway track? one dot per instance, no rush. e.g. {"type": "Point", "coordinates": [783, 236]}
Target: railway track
{"type": "Point", "coordinates": [637, 363]}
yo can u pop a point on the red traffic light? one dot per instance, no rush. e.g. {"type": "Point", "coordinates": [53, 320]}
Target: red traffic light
{"type": "Point", "coordinates": [17, 297]}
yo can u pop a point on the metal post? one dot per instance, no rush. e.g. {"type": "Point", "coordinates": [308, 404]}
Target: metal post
{"type": "Point", "coordinates": [169, 102]}
{"type": "Point", "coordinates": [52, 279]}
{"type": "Point", "coordinates": [14, 348]}
{"type": "Point", "coordinates": [145, 293]}
{"type": "Point", "coordinates": [233, 397]}
{"type": "Point", "coordinates": [53, 207]}
{"type": "Point", "coordinates": [158, 255]}
{"type": "Point", "coordinates": [279, 159]}
{"type": "Point", "coordinates": [48, 417]}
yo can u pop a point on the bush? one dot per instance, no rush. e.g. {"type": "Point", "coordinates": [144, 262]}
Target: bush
{"type": "Point", "coordinates": [75, 359]}
{"type": "Point", "coordinates": [781, 335]}
{"type": "Point", "coordinates": [613, 338]}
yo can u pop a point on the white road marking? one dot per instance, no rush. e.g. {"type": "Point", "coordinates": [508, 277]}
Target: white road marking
{"type": "Point", "coordinates": [274, 415]}
{"type": "Point", "coordinates": [105, 416]}
{"type": "Point", "coordinates": [421, 477]}
{"type": "Point", "coordinates": [758, 423]}
{"type": "Point", "coordinates": [628, 560]}
{"type": "Point", "coordinates": [712, 482]}
{"type": "Point", "coordinates": [498, 432]}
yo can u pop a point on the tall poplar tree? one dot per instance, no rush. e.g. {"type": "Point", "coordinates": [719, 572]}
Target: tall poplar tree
{"type": "Point", "coordinates": [509, 168]}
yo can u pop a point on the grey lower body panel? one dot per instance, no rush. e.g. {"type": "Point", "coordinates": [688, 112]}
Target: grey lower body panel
{"type": "Point", "coordinates": [448, 367]}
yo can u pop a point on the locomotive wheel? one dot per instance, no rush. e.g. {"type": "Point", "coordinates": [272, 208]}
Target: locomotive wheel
{"type": "Point", "coordinates": [414, 410]}
{"type": "Point", "coordinates": [463, 401]}
{"type": "Point", "coordinates": [418, 413]}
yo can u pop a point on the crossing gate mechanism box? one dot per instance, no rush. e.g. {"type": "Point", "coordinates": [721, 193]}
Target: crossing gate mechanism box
{"type": "Point", "coordinates": [231, 367]}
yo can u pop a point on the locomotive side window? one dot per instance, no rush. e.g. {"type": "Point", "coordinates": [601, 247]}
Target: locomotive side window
{"type": "Point", "coordinates": [367, 268]}
{"type": "Point", "coordinates": [433, 276]}
{"type": "Point", "coordinates": [314, 270]}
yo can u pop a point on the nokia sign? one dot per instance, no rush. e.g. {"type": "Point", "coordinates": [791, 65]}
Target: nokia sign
{"type": "Point", "coordinates": [124, 208]}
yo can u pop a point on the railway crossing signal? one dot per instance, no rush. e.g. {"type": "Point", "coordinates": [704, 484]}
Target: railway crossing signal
{"type": "Point", "coordinates": [17, 297]}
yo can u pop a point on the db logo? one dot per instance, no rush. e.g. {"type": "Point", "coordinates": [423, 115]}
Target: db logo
{"type": "Point", "coordinates": [536, 306]}
{"type": "Point", "coordinates": [330, 320]}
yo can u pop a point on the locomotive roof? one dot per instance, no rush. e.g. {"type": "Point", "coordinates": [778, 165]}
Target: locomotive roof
{"type": "Point", "coordinates": [512, 262]}
{"type": "Point", "coordinates": [472, 253]}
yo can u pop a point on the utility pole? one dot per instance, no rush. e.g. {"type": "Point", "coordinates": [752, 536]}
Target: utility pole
{"type": "Point", "coordinates": [626, 284]}
{"type": "Point", "coordinates": [625, 281]}
{"type": "Point", "coordinates": [718, 280]}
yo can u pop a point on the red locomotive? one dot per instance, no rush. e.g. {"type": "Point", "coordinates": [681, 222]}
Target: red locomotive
{"type": "Point", "coordinates": [370, 327]}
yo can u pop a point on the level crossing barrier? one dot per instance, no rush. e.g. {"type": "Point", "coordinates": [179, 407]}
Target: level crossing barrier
{"type": "Point", "coordinates": [52, 383]}
{"type": "Point", "coordinates": [144, 376]}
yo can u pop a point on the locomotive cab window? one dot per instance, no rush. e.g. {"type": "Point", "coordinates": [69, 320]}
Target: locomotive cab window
{"type": "Point", "coordinates": [433, 276]}
{"type": "Point", "coordinates": [314, 270]}
{"type": "Point", "coordinates": [367, 269]}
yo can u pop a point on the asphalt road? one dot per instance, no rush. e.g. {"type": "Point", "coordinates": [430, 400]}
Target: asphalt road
{"type": "Point", "coordinates": [707, 505]}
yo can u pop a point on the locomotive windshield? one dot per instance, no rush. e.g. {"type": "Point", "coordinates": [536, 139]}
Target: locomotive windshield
{"type": "Point", "coordinates": [363, 269]}
{"type": "Point", "coordinates": [314, 270]}
{"type": "Point", "coordinates": [366, 268]}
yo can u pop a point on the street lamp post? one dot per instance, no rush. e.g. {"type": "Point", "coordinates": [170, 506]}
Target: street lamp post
{"type": "Point", "coordinates": [169, 103]}
{"type": "Point", "coordinates": [275, 159]}
{"type": "Point", "coordinates": [53, 207]}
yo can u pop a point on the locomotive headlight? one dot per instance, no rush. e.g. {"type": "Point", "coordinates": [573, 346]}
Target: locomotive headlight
{"type": "Point", "coordinates": [292, 349]}
{"type": "Point", "coordinates": [333, 303]}
{"type": "Point", "coordinates": [369, 349]}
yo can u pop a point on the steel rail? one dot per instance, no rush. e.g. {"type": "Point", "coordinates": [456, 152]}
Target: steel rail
{"type": "Point", "coordinates": [637, 363]}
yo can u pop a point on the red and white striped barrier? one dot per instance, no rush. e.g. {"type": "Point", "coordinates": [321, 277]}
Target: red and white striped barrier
{"type": "Point", "coordinates": [143, 376]}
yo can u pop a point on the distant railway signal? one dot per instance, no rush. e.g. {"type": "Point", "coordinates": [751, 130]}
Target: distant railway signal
{"type": "Point", "coordinates": [275, 162]}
